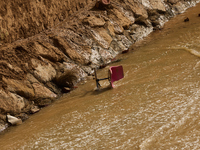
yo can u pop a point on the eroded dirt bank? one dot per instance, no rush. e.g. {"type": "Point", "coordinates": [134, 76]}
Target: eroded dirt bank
{"type": "Point", "coordinates": [36, 70]}
{"type": "Point", "coordinates": [20, 19]}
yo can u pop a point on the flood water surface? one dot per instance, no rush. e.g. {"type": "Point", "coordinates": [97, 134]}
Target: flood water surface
{"type": "Point", "coordinates": [155, 106]}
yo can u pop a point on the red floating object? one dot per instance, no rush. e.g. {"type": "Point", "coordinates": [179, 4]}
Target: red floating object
{"type": "Point", "coordinates": [116, 73]}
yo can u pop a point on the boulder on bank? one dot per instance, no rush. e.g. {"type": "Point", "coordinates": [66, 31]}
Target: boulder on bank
{"type": "Point", "coordinates": [20, 87]}
{"type": "Point", "coordinates": [102, 37]}
{"type": "Point", "coordinates": [10, 103]}
{"type": "Point", "coordinates": [114, 28]}
{"type": "Point", "coordinates": [43, 70]}
{"type": "Point", "coordinates": [42, 92]}
{"type": "Point", "coordinates": [13, 120]}
{"type": "Point", "coordinates": [40, 102]}
{"type": "Point", "coordinates": [67, 49]}
{"type": "Point", "coordinates": [94, 21]}
{"type": "Point", "coordinates": [119, 17]}
{"type": "Point", "coordinates": [47, 51]}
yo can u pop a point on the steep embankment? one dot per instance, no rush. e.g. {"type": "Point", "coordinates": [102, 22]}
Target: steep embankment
{"type": "Point", "coordinates": [34, 71]}
{"type": "Point", "coordinates": [20, 19]}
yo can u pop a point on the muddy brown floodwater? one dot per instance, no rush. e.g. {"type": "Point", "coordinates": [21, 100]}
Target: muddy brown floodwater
{"type": "Point", "coordinates": [156, 105]}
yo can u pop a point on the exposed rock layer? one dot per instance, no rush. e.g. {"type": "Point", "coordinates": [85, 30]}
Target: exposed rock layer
{"type": "Point", "coordinates": [22, 18]}
{"type": "Point", "coordinates": [34, 71]}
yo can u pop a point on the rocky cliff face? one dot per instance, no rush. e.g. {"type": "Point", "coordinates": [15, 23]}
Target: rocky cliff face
{"type": "Point", "coordinates": [36, 70]}
{"type": "Point", "coordinates": [21, 18]}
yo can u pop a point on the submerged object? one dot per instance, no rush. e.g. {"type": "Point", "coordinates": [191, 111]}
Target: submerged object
{"type": "Point", "coordinates": [115, 73]}
{"type": "Point", "coordinates": [186, 19]}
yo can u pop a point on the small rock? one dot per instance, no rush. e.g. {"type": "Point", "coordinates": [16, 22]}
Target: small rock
{"type": "Point", "coordinates": [155, 23]}
{"type": "Point", "coordinates": [94, 21]}
{"type": "Point", "coordinates": [43, 102]}
{"type": "Point", "coordinates": [199, 15]}
{"type": "Point", "coordinates": [3, 127]}
{"type": "Point", "coordinates": [66, 89]}
{"type": "Point", "coordinates": [125, 51]}
{"type": "Point", "coordinates": [82, 83]}
{"type": "Point", "coordinates": [34, 109]}
{"type": "Point", "coordinates": [102, 66]}
{"type": "Point", "coordinates": [2, 118]}
{"type": "Point", "coordinates": [13, 120]}
{"type": "Point", "coordinates": [22, 116]}
{"type": "Point", "coordinates": [186, 19]}
{"type": "Point", "coordinates": [142, 21]}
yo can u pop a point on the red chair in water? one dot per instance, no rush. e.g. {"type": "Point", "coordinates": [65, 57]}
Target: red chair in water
{"type": "Point", "coordinates": [115, 73]}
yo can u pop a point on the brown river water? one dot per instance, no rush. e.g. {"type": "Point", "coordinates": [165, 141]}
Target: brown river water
{"type": "Point", "coordinates": [155, 106]}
